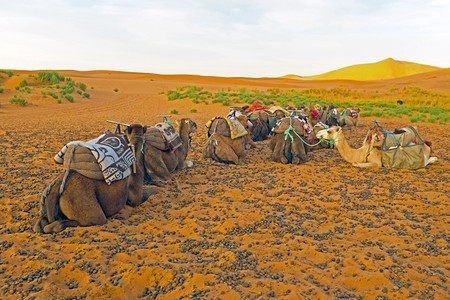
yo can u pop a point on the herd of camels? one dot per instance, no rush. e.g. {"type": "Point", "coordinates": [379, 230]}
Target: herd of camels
{"type": "Point", "coordinates": [76, 199]}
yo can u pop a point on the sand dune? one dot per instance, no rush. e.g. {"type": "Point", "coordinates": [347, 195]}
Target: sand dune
{"type": "Point", "coordinates": [320, 230]}
{"type": "Point", "coordinates": [385, 69]}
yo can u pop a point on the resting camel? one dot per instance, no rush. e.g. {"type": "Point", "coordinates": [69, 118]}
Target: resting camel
{"type": "Point", "coordinates": [330, 116]}
{"type": "Point", "coordinates": [221, 147]}
{"type": "Point", "coordinates": [87, 202]}
{"type": "Point", "coordinates": [161, 163]}
{"type": "Point", "coordinates": [260, 128]}
{"type": "Point", "coordinates": [368, 155]}
{"type": "Point", "coordinates": [349, 117]}
{"type": "Point", "coordinates": [286, 143]}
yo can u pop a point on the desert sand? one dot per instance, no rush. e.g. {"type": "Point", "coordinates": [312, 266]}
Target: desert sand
{"type": "Point", "coordinates": [260, 229]}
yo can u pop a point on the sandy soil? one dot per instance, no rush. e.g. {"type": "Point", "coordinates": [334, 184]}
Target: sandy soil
{"type": "Point", "coordinates": [260, 229]}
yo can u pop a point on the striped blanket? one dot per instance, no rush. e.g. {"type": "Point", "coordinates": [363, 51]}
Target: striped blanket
{"type": "Point", "coordinates": [111, 152]}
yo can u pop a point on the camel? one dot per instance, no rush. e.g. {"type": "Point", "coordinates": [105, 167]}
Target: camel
{"type": "Point", "coordinates": [286, 144]}
{"type": "Point", "coordinates": [368, 155]}
{"type": "Point", "coordinates": [349, 117]}
{"type": "Point", "coordinates": [221, 147]}
{"type": "Point", "coordinates": [88, 202]}
{"type": "Point", "coordinates": [260, 128]}
{"type": "Point", "coordinates": [161, 163]}
{"type": "Point", "coordinates": [330, 116]}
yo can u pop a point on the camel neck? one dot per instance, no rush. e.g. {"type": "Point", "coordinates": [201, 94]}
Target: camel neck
{"type": "Point", "coordinates": [343, 147]}
{"type": "Point", "coordinates": [184, 135]}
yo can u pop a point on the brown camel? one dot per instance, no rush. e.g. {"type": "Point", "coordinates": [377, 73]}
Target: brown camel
{"type": "Point", "coordinates": [349, 117]}
{"type": "Point", "coordinates": [87, 202]}
{"type": "Point", "coordinates": [260, 129]}
{"type": "Point", "coordinates": [368, 155]}
{"type": "Point", "coordinates": [330, 116]}
{"type": "Point", "coordinates": [161, 163]}
{"type": "Point", "coordinates": [221, 147]}
{"type": "Point", "coordinates": [286, 144]}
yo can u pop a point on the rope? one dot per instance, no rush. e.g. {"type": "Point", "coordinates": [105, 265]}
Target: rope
{"type": "Point", "coordinates": [291, 128]}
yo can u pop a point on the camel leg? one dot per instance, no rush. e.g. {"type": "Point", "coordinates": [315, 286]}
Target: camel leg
{"type": "Point", "coordinates": [79, 203]}
{"type": "Point", "coordinates": [225, 153]}
{"type": "Point", "coordinates": [156, 166]}
{"type": "Point", "coordinates": [298, 152]}
{"type": "Point", "coordinates": [278, 151]}
{"type": "Point", "coordinates": [367, 164]}
{"type": "Point", "coordinates": [431, 160]}
{"type": "Point", "coordinates": [40, 224]}
{"type": "Point", "coordinates": [59, 226]}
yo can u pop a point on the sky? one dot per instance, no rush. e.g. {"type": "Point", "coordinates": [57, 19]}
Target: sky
{"type": "Point", "coordinates": [242, 38]}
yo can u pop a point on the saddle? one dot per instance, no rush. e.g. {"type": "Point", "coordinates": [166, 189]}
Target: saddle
{"type": "Point", "coordinates": [402, 149]}
{"type": "Point", "coordinates": [227, 127]}
{"type": "Point", "coordinates": [163, 137]}
{"type": "Point", "coordinates": [107, 157]}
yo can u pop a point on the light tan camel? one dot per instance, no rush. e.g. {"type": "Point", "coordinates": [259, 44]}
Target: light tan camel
{"type": "Point", "coordinates": [87, 202]}
{"type": "Point", "coordinates": [367, 155]}
{"type": "Point", "coordinates": [161, 163]}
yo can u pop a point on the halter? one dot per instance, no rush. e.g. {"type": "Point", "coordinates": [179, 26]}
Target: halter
{"type": "Point", "coordinates": [287, 133]}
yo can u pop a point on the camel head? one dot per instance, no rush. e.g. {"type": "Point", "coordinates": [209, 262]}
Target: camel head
{"type": "Point", "coordinates": [188, 125]}
{"type": "Point", "coordinates": [331, 134]}
{"type": "Point", "coordinates": [135, 131]}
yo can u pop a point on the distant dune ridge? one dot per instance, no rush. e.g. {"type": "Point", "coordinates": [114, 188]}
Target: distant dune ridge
{"type": "Point", "coordinates": [386, 69]}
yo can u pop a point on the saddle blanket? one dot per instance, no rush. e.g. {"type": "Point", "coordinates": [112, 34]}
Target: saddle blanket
{"type": "Point", "coordinates": [236, 128]}
{"type": "Point", "coordinates": [111, 152]}
{"type": "Point", "coordinates": [169, 134]}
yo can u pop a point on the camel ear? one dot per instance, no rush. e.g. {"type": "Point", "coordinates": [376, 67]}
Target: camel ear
{"type": "Point", "coordinates": [129, 129]}
{"type": "Point", "coordinates": [144, 128]}
{"type": "Point", "coordinates": [186, 121]}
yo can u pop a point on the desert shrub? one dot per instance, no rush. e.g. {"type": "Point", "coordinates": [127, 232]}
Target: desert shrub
{"type": "Point", "coordinates": [174, 112]}
{"type": "Point", "coordinates": [86, 95]}
{"type": "Point", "coordinates": [18, 100]}
{"type": "Point", "coordinates": [69, 97]}
{"type": "Point", "coordinates": [52, 94]}
{"type": "Point", "coordinates": [193, 110]}
{"type": "Point", "coordinates": [1, 90]}
{"type": "Point", "coordinates": [23, 84]}
{"type": "Point", "coordinates": [79, 92]}
{"type": "Point", "coordinates": [9, 73]}
{"type": "Point", "coordinates": [116, 90]}
{"type": "Point", "coordinates": [46, 77]}
{"type": "Point", "coordinates": [417, 118]}
{"type": "Point", "coordinates": [81, 86]}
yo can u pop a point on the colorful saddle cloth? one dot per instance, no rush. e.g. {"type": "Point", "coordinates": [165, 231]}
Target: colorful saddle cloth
{"type": "Point", "coordinates": [233, 130]}
{"type": "Point", "coordinates": [109, 154]}
{"type": "Point", "coordinates": [163, 136]}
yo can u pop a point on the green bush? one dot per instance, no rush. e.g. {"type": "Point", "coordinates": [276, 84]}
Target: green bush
{"type": "Point", "coordinates": [116, 90]}
{"type": "Point", "coordinates": [86, 95]}
{"type": "Point", "coordinates": [18, 100]}
{"type": "Point", "coordinates": [174, 112]}
{"type": "Point", "coordinates": [417, 117]}
{"type": "Point", "coordinates": [1, 90]}
{"type": "Point", "coordinates": [81, 86]}
{"type": "Point", "coordinates": [69, 97]}
{"type": "Point", "coordinates": [193, 110]}
{"type": "Point", "coordinates": [46, 77]}
{"type": "Point", "coordinates": [9, 73]}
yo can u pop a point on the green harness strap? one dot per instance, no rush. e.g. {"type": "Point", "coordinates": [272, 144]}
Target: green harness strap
{"type": "Point", "coordinates": [287, 133]}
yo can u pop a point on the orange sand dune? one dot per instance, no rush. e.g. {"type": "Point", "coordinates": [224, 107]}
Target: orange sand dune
{"type": "Point", "coordinates": [320, 230]}
{"type": "Point", "coordinates": [385, 69]}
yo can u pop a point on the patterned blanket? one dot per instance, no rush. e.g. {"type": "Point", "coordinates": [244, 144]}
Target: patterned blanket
{"type": "Point", "coordinates": [171, 138]}
{"type": "Point", "coordinates": [111, 152]}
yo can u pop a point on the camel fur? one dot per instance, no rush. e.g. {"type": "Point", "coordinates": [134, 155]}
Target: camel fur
{"type": "Point", "coordinates": [368, 155]}
{"type": "Point", "coordinates": [161, 163]}
{"type": "Point", "coordinates": [285, 148]}
{"type": "Point", "coordinates": [223, 148]}
{"type": "Point", "coordinates": [88, 202]}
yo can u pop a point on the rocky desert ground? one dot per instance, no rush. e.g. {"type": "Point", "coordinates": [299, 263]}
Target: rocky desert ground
{"type": "Point", "coordinates": [256, 230]}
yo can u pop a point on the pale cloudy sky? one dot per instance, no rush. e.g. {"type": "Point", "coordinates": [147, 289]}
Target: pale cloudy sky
{"type": "Point", "coordinates": [254, 38]}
